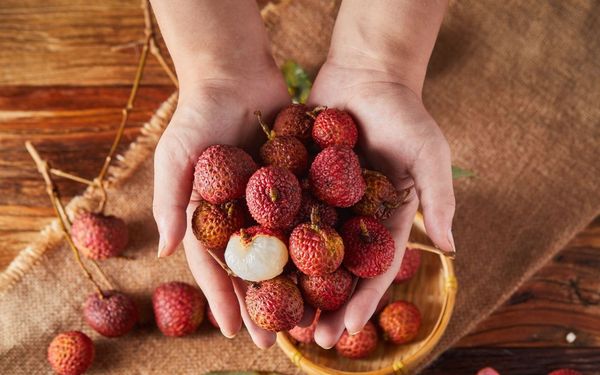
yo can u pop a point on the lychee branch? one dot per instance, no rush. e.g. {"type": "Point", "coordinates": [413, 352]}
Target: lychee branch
{"type": "Point", "coordinates": [429, 249]}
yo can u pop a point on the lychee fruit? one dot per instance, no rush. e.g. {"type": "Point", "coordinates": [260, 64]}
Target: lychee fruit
{"type": "Point", "coordinates": [275, 305]}
{"type": "Point", "coordinates": [336, 178]}
{"type": "Point", "coordinates": [487, 371]}
{"type": "Point", "coordinates": [257, 253]}
{"type": "Point", "coordinates": [273, 196]}
{"type": "Point", "coordinates": [369, 247]}
{"type": "Point", "coordinates": [328, 292]}
{"type": "Point", "coordinates": [381, 198]}
{"type": "Point", "coordinates": [334, 127]}
{"type": "Point", "coordinates": [400, 322]}
{"type": "Point", "coordinates": [305, 335]}
{"type": "Point", "coordinates": [359, 345]}
{"type": "Point", "coordinates": [112, 315]}
{"type": "Point", "coordinates": [327, 214]}
{"type": "Point", "coordinates": [99, 236]}
{"type": "Point", "coordinates": [222, 172]}
{"type": "Point", "coordinates": [410, 265]}
{"type": "Point", "coordinates": [178, 308]}
{"type": "Point", "coordinates": [211, 317]}
{"type": "Point", "coordinates": [294, 121]}
{"type": "Point", "coordinates": [384, 301]}
{"type": "Point", "coordinates": [283, 151]}
{"type": "Point", "coordinates": [565, 371]}
{"type": "Point", "coordinates": [213, 224]}
{"type": "Point", "coordinates": [316, 249]}
{"type": "Point", "coordinates": [71, 353]}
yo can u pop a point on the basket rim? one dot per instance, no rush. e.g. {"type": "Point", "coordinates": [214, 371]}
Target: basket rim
{"type": "Point", "coordinates": [405, 364]}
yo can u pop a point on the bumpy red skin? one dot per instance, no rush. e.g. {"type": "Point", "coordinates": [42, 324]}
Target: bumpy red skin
{"type": "Point", "coordinates": [281, 212]}
{"type": "Point", "coordinates": [336, 178]}
{"type": "Point", "coordinates": [257, 230]}
{"type": "Point", "coordinates": [487, 371]}
{"type": "Point", "coordinates": [275, 305]}
{"type": "Point", "coordinates": [178, 308]}
{"type": "Point", "coordinates": [328, 292]}
{"type": "Point", "coordinates": [334, 127]}
{"type": "Point", "coordinates": [565, 371]}
{"type": "Point", "coordinates": [214, 224]}
{"type": "Point", "coordinates": [316, 251]}
{"type": "Point", "coordinates": [360, 345]}
{"type": "Point", "coordinates": [286, 152]}
{"type": "Point", "coordinates": [410, 265]}
{"type": "Point", "coordinates": [99, 236]}
{"type": "Point", "coordinates": [367, 257]}
{"type": "Point", "coordinates": [327, 214]}
{"type": "Point", "coordinates": [305, 335]}
{"type": "Point", "coordinates": [211, 317]}
{"type": "Point", "coordinates": [71, 353]}
{"type": "Point", "coordinates": [111, 316]}
{"type": "Point", "coordinates": [400, 322]}
{"type": "Point", "coordinates": [293, 121]}
{"type": "Point", "coordinates": [381, 197]}
{"type": "Point", "coordinates": [222, 172]}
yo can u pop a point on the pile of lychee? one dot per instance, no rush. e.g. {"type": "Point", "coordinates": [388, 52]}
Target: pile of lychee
{"type": "Point", "coordinates": [304, 225]}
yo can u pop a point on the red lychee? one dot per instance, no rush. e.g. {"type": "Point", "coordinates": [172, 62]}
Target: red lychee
{"type": "Point", "coordinates": [400, 322]}
{"type": "Point", "coordinates": [381, 197]}
{"type": "Point", "coordinates": [327, 214]}
{"type": "Point", "coordinates": [71, 353]}
{"type": "Point", "coordinates": [112, 315]}
{"type": "Point", "coordinates": [410, 265]}
{"type": "Point", "coordinates": [214, 224]}
{"type": "Point", "coordinates": [178, 308]}
{"type": "Point", "coordinates": [369, 247]}
{"type": "Point", "coordinates": [359, 345]}
{"type": "Point", "coordinates": [305, 335]}
{"type": "Point", "coordinates": [334, 127]}
{"type": "Point", "coordinates": [328, 292]}
{"type": "Point", "coordinates": [565, 371]}
{"type": "Point", "coordinates": [336, 178]}
{"type": "Point", "coordinates": [294, 121]}
{"type": "Point", "coordinates": [487, 371]}
{"type": "Point", "coordinates": [273, 196]}
{"type": "Point", "coordinates": [99, 236]}
{"type": "Point", "coordinates": [275, 305]}
{"type": "Point", "coordinates": [222, 172]}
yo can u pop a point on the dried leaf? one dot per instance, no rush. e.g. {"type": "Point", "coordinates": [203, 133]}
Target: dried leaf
{"type": "Point", "coordinates": [458, 172]}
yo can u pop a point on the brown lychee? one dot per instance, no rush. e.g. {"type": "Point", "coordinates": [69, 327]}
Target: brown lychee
{"type": "Point", "coordinates": [336, 177]}
{"type": "Point", "coordinates": [71, 353]}
{"type": "Point", "coordinates": [294, 121]}
{"type": "Point", "coordinates": [400, 322]}
{"type": "Point", "coordinates": [369, 246]}
{"type": "Point", "coordinates": [275, 305]}
{"type": "Point", "coordinates": [99, 236]}
{"type": "Point", "coordinates": [222, 172]}
{"type": "Point", "coordinates": [410, 265]}
{"type": "Point", "coordinates": [381, 198]}
{"type": "Point", "coordinates": [359, 345]}
{"type": "Point", "coordinates": [213, 224]}
{"type": "Point", "coordinates": [178, 308]}
{"type": "Point", "coordinates": [273, 196]}
{"type": "Point", "coordinates": [112, 315]}
{"type": "Point", "coordinates": [334, 127]}
{"type": "Point", "coordinates": [305, 335]}
{"type": "Point", "coordinates": [328, 292]}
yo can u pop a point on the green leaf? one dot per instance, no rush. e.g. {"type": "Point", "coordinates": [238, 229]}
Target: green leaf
{"type": "Point", "coordinates": [458, 172]}
{"type": "Point", "coordinates": [297, 80]}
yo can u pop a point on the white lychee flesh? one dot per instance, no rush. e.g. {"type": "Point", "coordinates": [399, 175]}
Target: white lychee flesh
{"type": "Point", "coordinates": [261, 258]}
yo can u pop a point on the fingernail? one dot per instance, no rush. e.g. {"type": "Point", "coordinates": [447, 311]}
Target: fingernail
{"type": "Point", "coordinates": [328, 347]}
{"type": "Point", "coordinates": [161, 247]}
{"type": "Point", "coordinates": [229, 335]}
{"type": "Point", "coordinates": [451, 240]}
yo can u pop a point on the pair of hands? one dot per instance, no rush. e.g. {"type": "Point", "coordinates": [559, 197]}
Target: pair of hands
{"type": "Point", "coordinates": [397, 134]}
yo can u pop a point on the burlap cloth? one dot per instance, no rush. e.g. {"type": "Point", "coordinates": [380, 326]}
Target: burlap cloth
{"type": "Point", "coordinates": [516, 88]}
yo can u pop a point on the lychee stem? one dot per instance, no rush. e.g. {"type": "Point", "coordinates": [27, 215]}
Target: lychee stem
{"type": "Point", "coordinates": [313, 114]}
{"type": "Point", "coordinates": [364, 231]}
{"type": "Point", "coordinates": [222, 264]}
{"type": "Point", "coordinates": [270, 133]}
{"type": "Point", "coordinates": [429, 249]}
{"type": "Point", "coordinates": [274, 194]}
{"type": "Point", "coordinates": [229, 207]}
{"type": "Point", "coordinates": [315, 218]}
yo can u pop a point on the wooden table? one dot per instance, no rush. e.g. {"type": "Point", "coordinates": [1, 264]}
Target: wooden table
{"type": "Point", "coordinates": [56, 92]}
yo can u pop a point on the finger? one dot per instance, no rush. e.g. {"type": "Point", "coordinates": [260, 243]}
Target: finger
{"type": "Point", "coordinates": [215, 284]}
{"type": "Point", "coordinates": [173, 176]}
{"type": "Point", "coordinates": [263, 339]}
{"type": "Point", "coordinates": [368, 292]}
{"type": "Point", "coordinates": [432, 172]}
{"type": "Point", "coordinates": [329, 328]}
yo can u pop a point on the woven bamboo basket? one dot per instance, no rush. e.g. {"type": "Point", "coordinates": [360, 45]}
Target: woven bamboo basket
{"type": "Point", "coordinates": [433, 289]}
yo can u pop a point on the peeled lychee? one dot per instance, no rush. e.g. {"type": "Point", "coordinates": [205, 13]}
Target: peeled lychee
{"type": "Point", "coordinates": [327, 214]}
{"type": "Point", "coordinates": [112, 315]}
{"type": "Point", "coordinates": [178, 308]}
{"type": "Point", "coordinates": [305, 335]}
{"type": "Point", "coordinates": [359, 345]}
{"type": "Point", "coordinates": [369, 247]}
{"type": "Point", "coordinates": [273, 196]}
{"type": "Point", "coordinates": [410, 265]}
{"type": "Point", "coordinates": [214, 224]}
{"type": "Point", "coordinates": [328, 292]}
{"type": "Point", "coordinates": [400, 322]}
{"type": "Point", "coordinates": [336, 177]}
{"type": "Point", "coordinates": [71, 353]}
{"type": "Point", "coordinates": [316, 249]}
{"type": "Point", "coordinates": [256, 253]}
{"type": "Point", "coordinates": [334, 127]}
{"type": "Point", "coordinates": [381, 198]}
{"type": "Point", "coordinates": [275, 305]}
{"type": "Point", "coordinates": [294, 121]}
{"type": "Point", "coordinates": [222, 172]}
{"type": "Point", "coordinates": [565, 371]}
{"type": "Point", "coordinates": [283, 151]}
{"type": "Point", "coordinates": [99, 236]}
